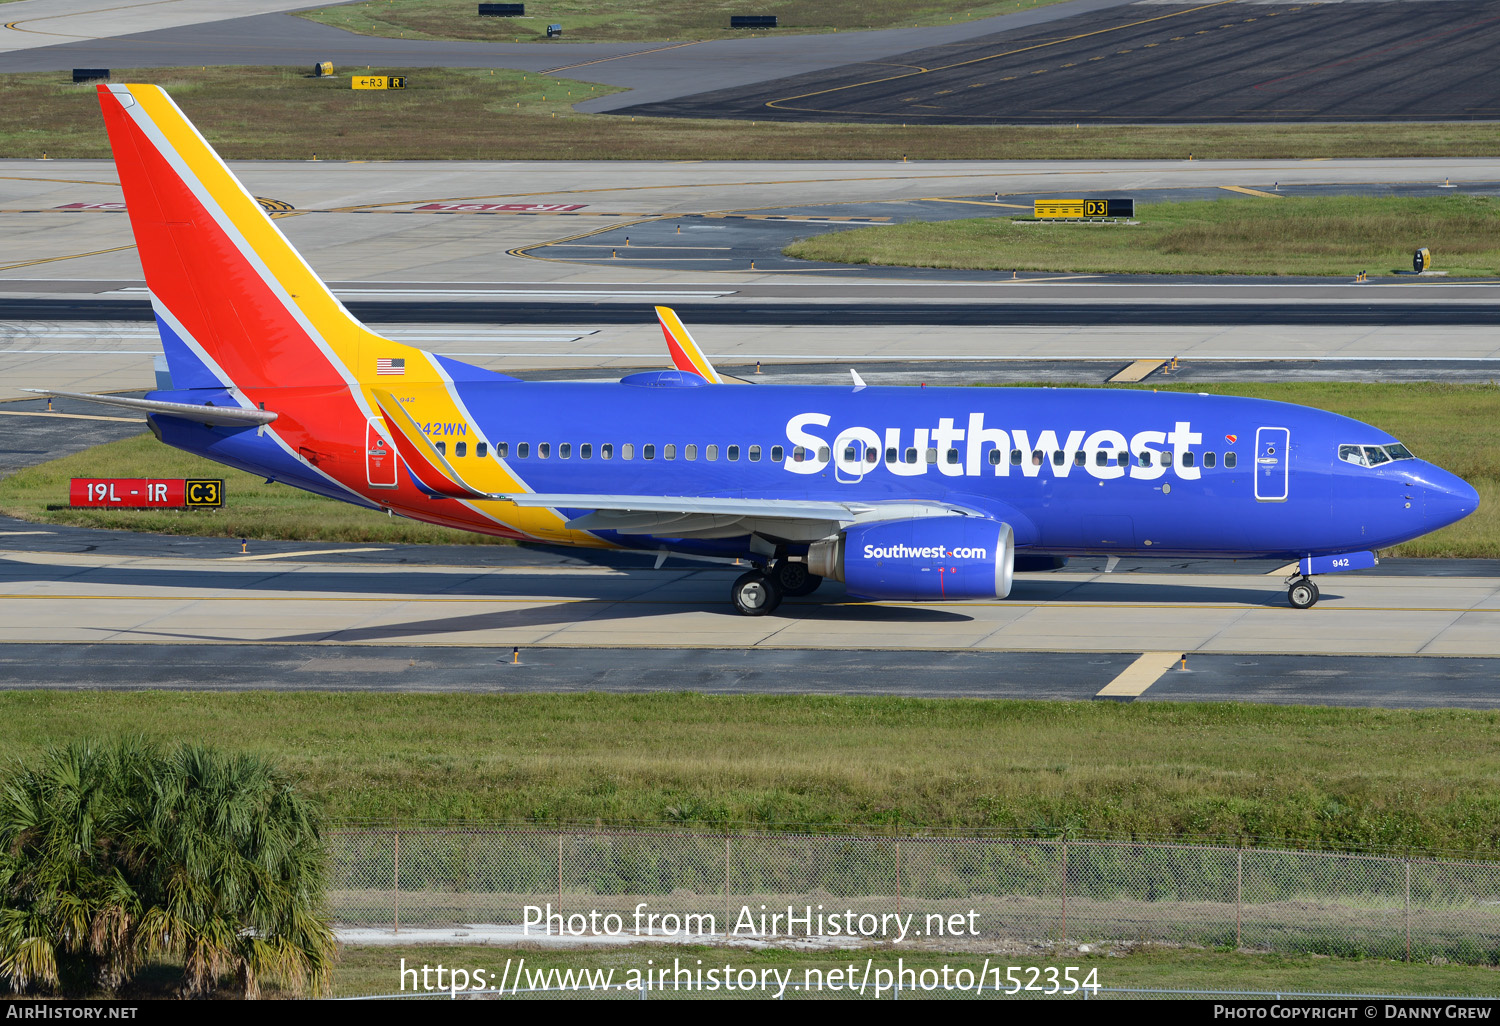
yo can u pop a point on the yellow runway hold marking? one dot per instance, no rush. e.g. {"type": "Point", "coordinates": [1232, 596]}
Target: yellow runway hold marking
{"type": "Point", "coordinates": [70, 256]}
{"type": "Point", "coordinates": [1252, 192]}
{"type": "Point", "coordinates": [66, 416]}
{"type": "Point", "coordinates": [1140, 675]}
{"type": "Point", "coordinates": [295, 555]}
{"type": "Point", "coordinates": [976, 203]}
{"type": "Point", "coordinates": [1246, 608]}
{"type": "Point", "coordinates": [64, 181]}
{"type": "Point", "coordinates": [1137, 371]}
{"type": "Point", "coordinates": [621, 57]}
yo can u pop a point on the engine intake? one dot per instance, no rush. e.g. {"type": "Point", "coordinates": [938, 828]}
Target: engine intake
{"type": "Point", "coordinates": [953, 557]}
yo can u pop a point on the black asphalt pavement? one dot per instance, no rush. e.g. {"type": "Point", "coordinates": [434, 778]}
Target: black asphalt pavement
{"type": "Point", "coordinates": [1405, 60]}
{"type": "Point", "coordinates": [1400, 683]}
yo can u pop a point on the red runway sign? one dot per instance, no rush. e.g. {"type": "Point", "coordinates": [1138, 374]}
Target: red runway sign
{"type": "Point", "coordinates": [484, 208]}
{"type": "Point", "coordinates": [145, 493]}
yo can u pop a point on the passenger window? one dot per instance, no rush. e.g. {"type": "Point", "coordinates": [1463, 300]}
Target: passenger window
{"type": "Point", "coordinates": [952, 455]}
{"type": "Point", "coordinates": [931, 456]}
{"type": "Point", "coordinates": [872, 455]}
{"type": "Point", "coordinates": [711, 453]}
{"type": "Point", "coordinates": [798, 454]}
{"type": "Point", "coordinates": [502, 449]}
{"type": "Point", "coordinates": [1209, 459]}
{"type": "Point", "coordinates": [565, 450]}
{"type": "Point", "coordinates": [1015, 457]}
{"type": "Point", "coordinates": [441, 447]}
{"type": "Point", "coordinates": [690, 452]}
{"type": "Point", "coordinates": [1101, 458]}
{"type": "Point", "coordinates": [1230, 459]}
{"type": "Point", "coordinates": [606, 451]}
{"type": "Point", "coordinates": [1079, 459]}
{"type": "Point", "coordinates": [1166, 459]}
{"type": "Point", "coordinates": [890, 455]}
{"type": "Point", "coordinates": [777, 454]}
{"type": "Point", "coordinates": [543, 450]}
{"type": "Point", "coordinates": [823, 454]}
{"type": "Point", "coordinates": [995, 457]}
{"type": "Point", "coordinates": [1036, 457]}
{"type": "Point", "coordinates": [732, 453]}
{"type": "Point", "coordinates": [668, 452]}
{"type": "Point", "coordinates": [911, 455]}
{"type": "Point", "coordinates": [1122, 458]}
{"type": "Point", "coordinates": [1057, 457]}
{"type": "Point", "coordinates": [627, 451]}
{"type": "Point", "coordinates": [1188, 459]}
{"type": "Point", "coordinates": [1376, 455]}
{"type": "Point", "coordinates": [850, 455]}
{"type": "Point", "coordinates": [585, 451]}
{"type": "Point", "coordinates": [480, 449]}
{"type": "Point", "coordinates": [648, 452]}
{"type": "Point", "coordinates": [523, 450]}
{"type": "Point", "coordinates": [1145, 457]}
{"type": "Point", "coordinates": [460, 449]}
{"type": "Point", "coordinates": [755, 454]}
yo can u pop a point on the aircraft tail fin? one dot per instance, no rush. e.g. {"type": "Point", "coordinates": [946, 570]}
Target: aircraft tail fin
{"type": "Point", "coordinates": [236, 304]}
{"type": "Point", "coordinates": [686, 355]}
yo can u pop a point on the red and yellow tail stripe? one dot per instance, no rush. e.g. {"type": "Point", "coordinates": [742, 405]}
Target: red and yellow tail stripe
{"type": "Point", "coordinates": [686, 356]}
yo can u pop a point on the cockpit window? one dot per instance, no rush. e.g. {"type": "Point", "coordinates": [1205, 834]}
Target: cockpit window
{"type": "Point", "coordinates": [1374, 455]}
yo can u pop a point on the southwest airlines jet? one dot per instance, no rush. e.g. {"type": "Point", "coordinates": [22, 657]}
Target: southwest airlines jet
{"type": "Point", "coordinates": [901, 493]}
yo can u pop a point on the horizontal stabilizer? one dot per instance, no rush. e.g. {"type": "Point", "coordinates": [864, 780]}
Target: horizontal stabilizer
{"type": "Point", "coordinates": [222, 416]}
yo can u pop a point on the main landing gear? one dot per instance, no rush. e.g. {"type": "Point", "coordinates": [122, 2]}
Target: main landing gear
{"type": "Point", "coordinates": [760, 591]}
{"type": "Point", "coordinates": [1302, 593]}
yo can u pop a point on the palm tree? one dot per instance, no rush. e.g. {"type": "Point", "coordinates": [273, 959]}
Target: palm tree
{"type": "Point", "coordinates": [110, 858]}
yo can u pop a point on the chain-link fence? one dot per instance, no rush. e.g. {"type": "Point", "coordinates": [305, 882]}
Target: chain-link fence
{"type": "Point", "coordinates": [981, 891]}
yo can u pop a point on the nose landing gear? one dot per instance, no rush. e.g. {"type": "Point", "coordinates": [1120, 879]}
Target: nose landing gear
{"type": "Point", "coordinates": [1302, 593]}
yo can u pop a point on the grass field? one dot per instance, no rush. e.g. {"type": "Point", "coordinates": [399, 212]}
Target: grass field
{"type": "Point", "coordinates": [1337, 777]}
{"type": "Point", "coordinates": [590, 21]}
{"type": "Point", "coordinates": [1335, 235]}
{"type": "Point", "coordinates": [362, 971]}
{"type": "Point", "coordinates": [277, 113]}
{"type": "Point", "coordinates": [1448, 424]}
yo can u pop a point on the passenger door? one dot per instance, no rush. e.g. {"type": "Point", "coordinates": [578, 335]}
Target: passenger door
{"type": "Point", "coordinates": [1272, 464]}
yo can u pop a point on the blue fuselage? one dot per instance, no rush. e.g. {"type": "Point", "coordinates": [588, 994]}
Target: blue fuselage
{"type": "Point", "coordinates": [1072, 470]}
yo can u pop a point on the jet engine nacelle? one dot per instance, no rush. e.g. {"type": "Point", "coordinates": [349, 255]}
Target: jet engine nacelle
{"type": "Point", "coordinates": [952, 557]}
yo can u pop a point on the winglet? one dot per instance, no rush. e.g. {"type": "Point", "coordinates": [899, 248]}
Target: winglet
{"type": "Point", "coordinates": [429, 468]}
{"type": "Point", "coordinates": [686, 356]}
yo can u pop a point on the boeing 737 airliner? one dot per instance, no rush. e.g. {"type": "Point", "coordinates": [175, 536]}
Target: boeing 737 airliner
{"type": "Point", "coordinates": [903, 494]}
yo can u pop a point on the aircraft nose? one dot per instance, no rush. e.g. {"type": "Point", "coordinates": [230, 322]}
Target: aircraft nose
{"type": "Point", "coordinates": [1447, 499]}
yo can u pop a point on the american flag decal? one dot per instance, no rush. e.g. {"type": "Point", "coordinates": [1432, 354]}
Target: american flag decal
{"type": "Point", "coordinates": [386, 365]}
